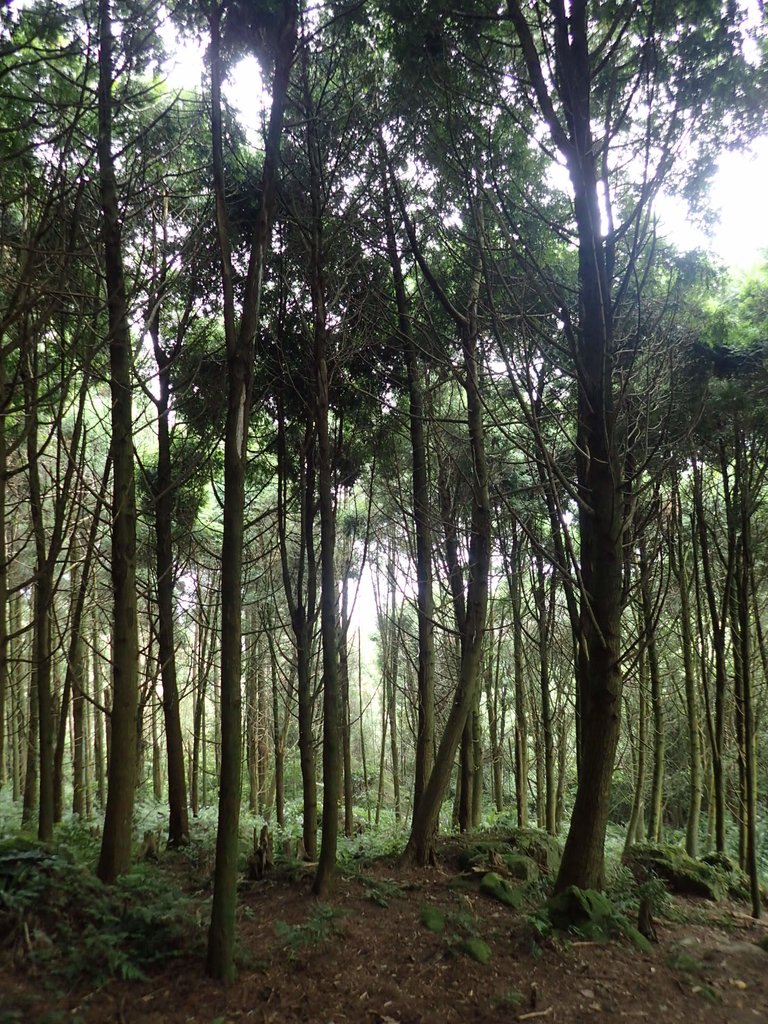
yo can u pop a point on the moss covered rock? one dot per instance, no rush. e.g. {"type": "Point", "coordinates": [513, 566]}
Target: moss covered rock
{"type": "Point", "coordinates": [476, 949]}
{"type": "Point", "coordinates": [432, 918]}
{"type": "Point", "coordinates": [736, 881]}
{"type": "Point", "coordinates": [500, 889]}
{"type": "Point", "coordinates": [482, 852]}
{"type": "Point", "coordinates": [521, 867]}
{"type": "Point", "coordinates": [588, 911]}
{"type": "Point", "coordinates": [682, 874]}
{"type": "Point", "coordinates": [540, 847]}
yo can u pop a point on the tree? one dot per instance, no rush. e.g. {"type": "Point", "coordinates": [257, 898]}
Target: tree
{"type": "Point", "coordinates": [240, 342]}
{"type": "Point", "coordinates": [115, 855]}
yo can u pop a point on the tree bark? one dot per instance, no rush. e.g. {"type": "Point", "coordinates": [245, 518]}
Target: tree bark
{"type": "Point", "coordinates": [115, 854]}
{"type": "Point", "coordinates": [165, 489]}
{"type": "Point", "coordinates": [240, 342]}
{"type": "Point", "coordinates": [678, 557]}
{"type": "Point", "coordinates": [420, 846]}
{"type": "Point", "coordinates": [598, 465]}
{"type": "Point", "coordinates": [425, 736]}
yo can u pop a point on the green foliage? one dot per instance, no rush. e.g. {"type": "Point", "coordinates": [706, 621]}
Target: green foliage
{"type": "Point", "coordinates": [75, 927]}
{"type": "Point", "coordinates": [510, 999]}
{"type": "Point", "coordinates": [592, 915]}
{"type": "Point", "coordinates": [682, 873]}
{"type": "Point", "coordinates": [462, 938]}
{"type": "Point", "coordinates": [380, 890]}
{"type": "Point", "coordinates": [321, 926]}
{"type": "Point", "coordinates": [476, 949]}
{"type": "Point", "coordinates": [432, 918]}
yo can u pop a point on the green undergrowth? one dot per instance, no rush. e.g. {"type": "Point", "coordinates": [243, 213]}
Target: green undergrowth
{"type": "Point", "coordinates": [460, 932]}
{"type": "Point", "coordinates": [65, 926]}
{"type": "Point", "coordinates": [584, 914]}
{"type": "Point", "coordinates": [322, 925]}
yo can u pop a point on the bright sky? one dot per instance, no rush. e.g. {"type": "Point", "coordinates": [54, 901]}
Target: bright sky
{"type": "Point", "coordinates": [739, 192]}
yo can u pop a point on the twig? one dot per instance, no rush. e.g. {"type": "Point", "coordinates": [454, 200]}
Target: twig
{"type": "Point", "coordinates": [536, 1013]}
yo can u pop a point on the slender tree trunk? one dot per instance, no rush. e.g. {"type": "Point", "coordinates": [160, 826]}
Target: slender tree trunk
{"type": "Point", "coordinates": [362, 725]}
{"type": "Point", "coordinates": [493, 698]}
{"type": "Point", "coordinates": [346, 725]}
{"type": "Point", "coordinates": [425, 736]}
{"type": "Point", "coordinates": [300, 585]}
{"type": "Point", "coordinates": [744, 640]}
{"type": "Point", "coordinates": [717, 613]}
{"type": "Point", "coordinates": [79, 760]}
{"type": "Point", "coordinates": [278, 740]}
{"type": "Point", "coordinates": [477, 757]}
{"type": "Point", "coordinates": [4, 602]}
{"type": "Point", "coordinates": [656, 825]}
{"type": "Point", "coordinates": [99, 693]}
{"type": "Point", "coordinates": [31, 777]}
{"type": "Point", "coordinates": [547, 729]}
{"type": "Point", "coordinates": [328, 600]}
{"type": "Point", "coordinates": [419, 848]}
{"type": "Point", "coordinates": [521, 718]}
{"type": "Point", "coordinates": [165, 492]}
{"type": "Point", "coordinates": [635, 828]}
{"type": "Point", "coordinates": [240, 341]}
{"type": "Point", "coordinates": [679, 566]}
{"type": "Point", "coordinates": [598, 462]}
{"type": "Point", "coordinates": [466, 787]}
{"type": "Point", "coordinates": [115, 855]}
{"type": "Point", "coordinates": [43, 600]}
{"type": "Point", "coordinates": [251, 718]}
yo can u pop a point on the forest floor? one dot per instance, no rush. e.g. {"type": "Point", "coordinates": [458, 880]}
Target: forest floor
{"type": "Point", "coordinates": [367, 956]}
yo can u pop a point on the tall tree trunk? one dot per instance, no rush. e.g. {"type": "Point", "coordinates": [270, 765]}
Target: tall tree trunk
{"type": "Point", "coordinates": [251, 716]}
{"type": "Point", "coordinates": [346, 723]}
{"type": "Point", "coordinates": [79, 759]}
{"type": "Point", "coordinates": [420, 846]}
{"type": "Point", "coordinates": [164, 495]}
{"type": "Point", "coordinates": [300, 586]}
{"type": "Point", "coordinates": [99, 694]}
{"type": "Point", "coordinates": [744, 642]}
{"type": "Point", "coordinates": [32, 764]}
{"type": "Point", "coordinates": [636, 828]}
{"type": "Point", "coordinates": [493, 699]}
{"type": "Point", "coordinates": [718, 616]}
{"type": "Point", "coordinates": [678, 557]}
{"type": "Point", "coordinates": [655, 826]}
{"type": "Point", "coordinates": [547, 728]}
{"type": "Point", "coordinates": [43, 600]}
{"type": "Point", "coordinates": [4, 603]}
{"type": "Point", "coordinates": [328, 599]}
{"type": "Point", "coordinates": [240, 341]}
{"type": "Point", "coordinates": [425, 736]}
{"type": "Point", "coordinates": [362, 724]}
{"type": "Point", "coordinates": [514, 582]}
{"type": "Point", "coordinates": [115, 855]}
{"type": "Point", "coordinates": [477, 757]}
{"type": "Point", "coordinates": [466, 784]}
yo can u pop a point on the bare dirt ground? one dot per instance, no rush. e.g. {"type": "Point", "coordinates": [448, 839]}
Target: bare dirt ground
{"type": "Point", "coordinates": [365, 956]}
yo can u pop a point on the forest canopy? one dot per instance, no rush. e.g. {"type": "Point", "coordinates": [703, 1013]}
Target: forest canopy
{"type": "Point", "coordinates": [384, 467]}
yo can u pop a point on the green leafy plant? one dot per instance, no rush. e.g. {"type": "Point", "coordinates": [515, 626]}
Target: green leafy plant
{"type": "Point", "coordinates": [74, 926]}
{"type": "Point", "coordinates": [322, 925]}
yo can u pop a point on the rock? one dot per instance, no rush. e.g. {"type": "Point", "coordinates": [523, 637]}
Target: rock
{"type": "Point", "coordinates": [683, 874]}
{"type": "Point", "coordinates": [500, 889]}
